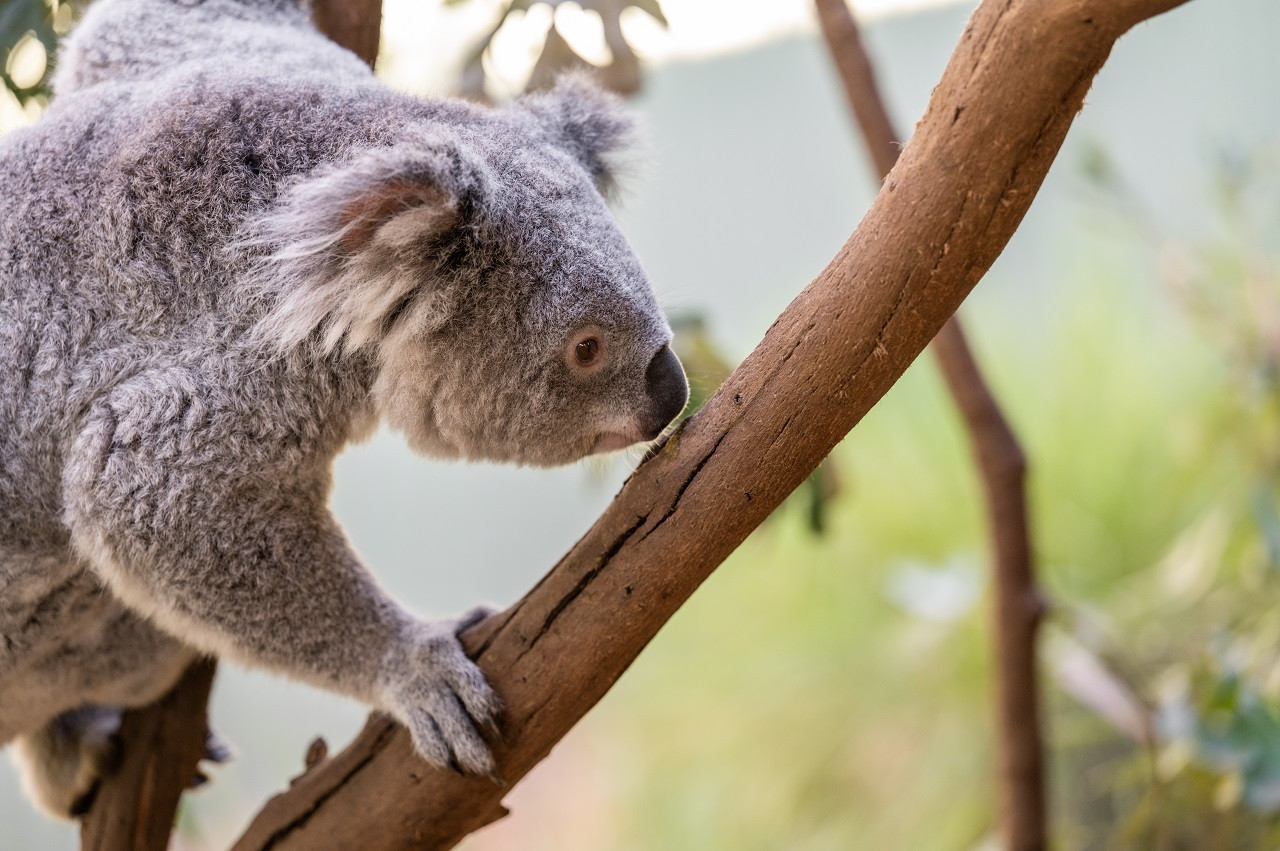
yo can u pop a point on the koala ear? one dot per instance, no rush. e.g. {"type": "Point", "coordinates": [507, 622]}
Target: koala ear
{"type": "Point", "coordinates": [397, 214]}
{"type": "Point", "coordinates": [347, 250]}
{"type": "Point", "coordinates": [588, 122]}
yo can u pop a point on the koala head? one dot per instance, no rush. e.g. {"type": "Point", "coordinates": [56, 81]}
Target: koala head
{"type": "Point", "coordinates": [481, 269]}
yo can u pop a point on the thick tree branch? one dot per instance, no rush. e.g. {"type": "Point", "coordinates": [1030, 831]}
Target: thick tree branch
{"type": "Point", "coordinates": [161, 746]}
{"type": "Point", "coordinates": [993, 127]}
{"type": "Point", "coordinates": [1002, 467]}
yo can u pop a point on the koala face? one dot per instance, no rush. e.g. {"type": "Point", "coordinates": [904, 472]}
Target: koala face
{"type": "Point", "coordinates": [509, 318]}
{"type": "Point", "coordinates": [554, 346]}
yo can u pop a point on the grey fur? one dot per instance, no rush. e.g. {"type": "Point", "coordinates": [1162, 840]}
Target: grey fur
{"type": "Point", "coordinates": [226, 251]}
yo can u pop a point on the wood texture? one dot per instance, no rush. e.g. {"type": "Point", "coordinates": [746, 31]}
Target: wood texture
{"type": "Point", "coordinates": [951, 203]}
{"type": "Point", "coordinates": [1002, 468]}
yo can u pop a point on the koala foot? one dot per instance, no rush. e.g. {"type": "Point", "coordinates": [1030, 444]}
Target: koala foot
{"type": "Point", "coordinates": [62, 765]}
{"type": "Point", "coordinates": [442, 697]}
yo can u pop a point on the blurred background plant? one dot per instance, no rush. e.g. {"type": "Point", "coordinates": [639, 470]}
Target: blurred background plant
{"type": "Point", "coordinates": [832, 692]}
{"type": "Point", "coordinates": [1197, 634]}
{"type": "Point", "coordinates": [617, 65]}
{"type": "Point", "coordinates": [29, 32]}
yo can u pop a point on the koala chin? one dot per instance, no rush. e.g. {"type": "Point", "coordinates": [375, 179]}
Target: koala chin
{"type": "Point", "coordinates": [225, 251]}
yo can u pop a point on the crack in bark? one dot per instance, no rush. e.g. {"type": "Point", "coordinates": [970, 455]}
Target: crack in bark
{"type": "Point", "coordinates": [980, 50]}
{"type": "Point", "coordinates": [796, 345]}
{"type": "Point", "coordinates": [585, 581]}
{"type": "Point", "coordinates": [785, 423]}
{"type": "Point", "coordinates": [946, 242]}
{"type": "Point", "coordinates": [507, 618]}
{"type": "Point", "coordinates": [693, 474]}
{"type": "Point", "coordinates": [877, 344]}
{"type": "Point", "coordinates": [537, 707]}
{"type": "Point", "coordinates": [1086, 75]}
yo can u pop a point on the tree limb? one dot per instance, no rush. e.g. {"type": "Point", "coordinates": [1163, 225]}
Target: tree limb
{"type": "Point", "coordinates": [161, 745]}
{"type": "Point", "coordinates": [959, 190]}
{"type": "Point", "coordinates": [1002, 468]}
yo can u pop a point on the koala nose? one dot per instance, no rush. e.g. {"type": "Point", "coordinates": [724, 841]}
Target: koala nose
{"type": "Point", "coordinates": [668, 392]}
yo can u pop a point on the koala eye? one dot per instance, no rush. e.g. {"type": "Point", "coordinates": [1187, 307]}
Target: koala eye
{"type": "Point", "coordinates": [586, 352]}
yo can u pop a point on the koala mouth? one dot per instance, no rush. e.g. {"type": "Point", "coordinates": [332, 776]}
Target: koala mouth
{"type": "Point", "coordinates": [612, 441]}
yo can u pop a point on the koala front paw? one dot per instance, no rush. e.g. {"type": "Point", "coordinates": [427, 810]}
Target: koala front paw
{"type": "Point", "coordinates": [442, 697]}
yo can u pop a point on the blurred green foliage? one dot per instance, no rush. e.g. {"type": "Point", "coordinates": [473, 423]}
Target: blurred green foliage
{"type": "Point", "coordinates": [1199, 630]}
{"type": "Point", "coordinates": [29, 32]}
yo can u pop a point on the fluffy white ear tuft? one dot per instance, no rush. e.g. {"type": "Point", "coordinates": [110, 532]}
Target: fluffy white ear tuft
{"type": "Point", "coordinates": [346, 250]}
{"type": "Point", "coordinates": [587, 121]}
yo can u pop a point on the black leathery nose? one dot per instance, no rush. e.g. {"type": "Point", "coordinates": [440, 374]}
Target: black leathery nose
{"type": "Point", "coordinates": [668, 391]}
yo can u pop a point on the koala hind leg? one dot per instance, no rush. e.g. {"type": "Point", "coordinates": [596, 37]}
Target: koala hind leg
{"type": "Point", "coordinates": [63, 763]}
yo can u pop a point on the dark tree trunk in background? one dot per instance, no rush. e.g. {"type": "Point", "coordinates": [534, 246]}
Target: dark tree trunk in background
{"type": "Point", "coordinates": [993, 127]}
{"type": "Point", "coordinates": [354, 24]}
{"type": "Point", "coordinates": [1002, 467]}
{"type": "Point", "coordinates": [1019, 606]}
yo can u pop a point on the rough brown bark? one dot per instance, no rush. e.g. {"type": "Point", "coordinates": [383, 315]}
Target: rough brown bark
{"type": "Point", "coordinates": [354, 24]}
{"type": "Point", "coordinates": [1002, 468]}
{"type": "Point", "coordinates": [162, 744]}
{"type": "Point", "coordinates": [993, 126]}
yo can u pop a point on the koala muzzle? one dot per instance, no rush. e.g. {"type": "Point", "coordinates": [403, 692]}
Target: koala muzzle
{"type": "Point", "coordinates": [668, 392]}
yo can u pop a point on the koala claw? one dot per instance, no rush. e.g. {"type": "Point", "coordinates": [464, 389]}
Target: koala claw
{"type": "Point", "coordinates": [217, 749]}
{"type": "Point", "coordinates": [471, 617]}
{"type": "Point", "coordinates": [444, 700]}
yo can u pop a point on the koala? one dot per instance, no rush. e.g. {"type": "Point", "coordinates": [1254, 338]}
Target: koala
{"type": "Point", "coordinates": [226, 250]}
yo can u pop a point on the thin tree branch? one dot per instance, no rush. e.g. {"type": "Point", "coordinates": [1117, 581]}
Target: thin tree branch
{"type": "Point", "coordinates": [354, 24]}
{"type": "Point", "coordinates": [959, 190]}
{"type": "Point", "coordinates": [1002, 468]}
{"type": "Point", "coordinates": [1019, 606]}
{"type": "Point", "coordinates": [161, 746]}
{"type": "Point", "coordinates": [858, 77]}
